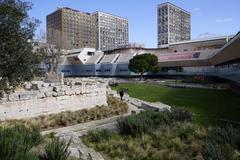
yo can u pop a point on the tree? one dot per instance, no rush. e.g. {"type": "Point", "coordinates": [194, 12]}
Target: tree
{"type": "Point", "coordinates": [144, 63]}
{"type": "Point", "coordinates": [51, 55]}
{"type": "Point", "coordinates": [17, 60]}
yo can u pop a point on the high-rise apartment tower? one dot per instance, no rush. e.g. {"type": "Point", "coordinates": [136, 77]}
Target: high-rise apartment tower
{"type": "Point", "coordinates": [173, 24]}
{"type": "Point", "coordinates": [112, 31]}
{"type": "Point", "coordinates": [68, 29]}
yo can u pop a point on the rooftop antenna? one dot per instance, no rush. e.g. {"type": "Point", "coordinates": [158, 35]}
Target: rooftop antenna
{"type": "Point", "coordinates": [227, 39]}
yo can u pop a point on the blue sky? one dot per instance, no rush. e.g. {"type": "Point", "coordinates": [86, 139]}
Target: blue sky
{"type": "Point", "coordinates": [217, 17]}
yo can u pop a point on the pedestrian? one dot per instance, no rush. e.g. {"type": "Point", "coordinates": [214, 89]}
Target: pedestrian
{"type": "Point", "coordinates": [121, 92]}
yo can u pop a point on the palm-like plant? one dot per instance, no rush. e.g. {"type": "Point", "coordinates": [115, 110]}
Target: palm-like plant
{"type": "Point", "coordinates": [57, 149]}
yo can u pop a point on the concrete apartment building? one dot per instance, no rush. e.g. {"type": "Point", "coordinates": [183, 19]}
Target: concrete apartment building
{"type": "Point", "coordinates": [173, 24]}
{"type": "Point", "coordinates": [71, 29]}
{"type": "Point", "coordinates": [112, 31]}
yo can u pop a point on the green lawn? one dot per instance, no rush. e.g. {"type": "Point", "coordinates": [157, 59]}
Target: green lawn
{"type": "Point", "coordinates": [209, 106]}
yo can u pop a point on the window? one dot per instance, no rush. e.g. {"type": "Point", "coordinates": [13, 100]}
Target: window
{"type": "Point", "coordinates": [90, 53]}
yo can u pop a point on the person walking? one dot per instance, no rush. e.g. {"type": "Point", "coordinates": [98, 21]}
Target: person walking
{"type": "Point", "coordinates": [121, 92]}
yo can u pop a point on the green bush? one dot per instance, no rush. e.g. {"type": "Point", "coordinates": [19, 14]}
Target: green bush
{"type": "Point", "coordinates": [17, 141]}
{"type": "Point", "coordinates": [132, 125]}
{"type": "Point", "coordinates": [221, 143]}
{"type": "Point", "coordinates": [149, 120]}
{"type": "Point", "coordinates": [97, 136]}
{"type": "Point", "coordinates": [179, 114]}
{"type": "Point", "coordinates": [213, 151]}
{"type": "Point", "coordinates": [57, 149]}
{"type": "Point", "coordinates": [226, 135]}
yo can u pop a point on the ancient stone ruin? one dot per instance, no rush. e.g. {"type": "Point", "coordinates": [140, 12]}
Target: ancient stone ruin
{"type": "Point", "coordinates": [40, 98]}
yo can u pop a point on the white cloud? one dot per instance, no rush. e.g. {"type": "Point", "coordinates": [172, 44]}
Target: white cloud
{"type": "Point", "coordinates": [196, 9]}
{"type": "Point", "coordinates": [224, 20]}
{"type": "Point", "coordinates": [227, 19]}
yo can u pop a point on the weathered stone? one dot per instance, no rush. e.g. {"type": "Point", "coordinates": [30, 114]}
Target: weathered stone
{"type": "Point", "coordinates": [48, 94]}
{"type": "Point", "coordinates": [5, 99]}
{"type": "Point", "coordinates": [27, 85]}
{"type": "Point", "coordinates": [28, 95]}
{"type": "Point", "coordinates": [78, 83]}
{"type": "Point", "coordinates": [14, 97]}
{"type": "Point", "coordinates": [69, 92]}
{"type": "Point", "coordinates": [41, 95]}
{"type": "Point", "coordinates": [54, 94]}
{"type": "Point", "coordinates": [77, 92]}
{"type": "Point", "coordinates": [2, 94]}
{"type": "Point", "coordinates": [44, 101]}
{"type": "Point", "coordinates": [61, 93]}
{"type": "Point", "coordinates": [34, 87]}
{"type": "Point", "coordinates": [55, 89]}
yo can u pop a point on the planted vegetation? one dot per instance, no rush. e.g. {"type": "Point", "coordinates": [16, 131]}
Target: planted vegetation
{"type": "Point", "coordinates": [165, 135]}
{"type": "Point", "coordinates": [148, 121]}
{"type": "Point", "coordinates": [18, 142]}
{"type": "Point", "coordinates": [115, 107]}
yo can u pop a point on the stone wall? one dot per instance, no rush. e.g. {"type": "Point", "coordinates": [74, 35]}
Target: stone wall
{"type": "Point", "coordinates": [40, 98]}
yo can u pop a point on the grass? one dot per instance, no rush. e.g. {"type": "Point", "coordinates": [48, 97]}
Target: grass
{"type": "Point", "coordinates": [209, 106]}
{"type": "Point", "coordinates": [163, 144]}
{"type": "Point", "coordinates": [176, 140]}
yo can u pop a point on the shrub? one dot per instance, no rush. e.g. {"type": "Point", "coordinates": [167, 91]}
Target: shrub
{"type": "Point", "coordinates": [97, 136]}
{"type": "Point", "coordinates": [16, 142]}
{"type": "Point", "coordinates": [213, 151]}
{"type": "Point", "coordinates": [133, 125]}
{"type": "Point", "coordinates": [179, 114]}
{"type": "Point", "coordinates": [226, 135]}
{"type": "Point", "coordinates": [149, 120]}
{"type": "Point", "coordinates": [143, 122]}
{"type": "Point", "coordinates": [57, 149]}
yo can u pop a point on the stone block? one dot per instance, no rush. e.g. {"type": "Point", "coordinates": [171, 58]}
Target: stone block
{"type": "Point", "coordinates": [29, 95]}
{"type": "Point", "coordinates": [61, 93]}
{"type": "Point", "coordinates": [41, 95]}
{"type": "Point", "coordinates": [55, 89]}
{"type": "Point", "coordinates": [35, 87]}
{"type": "Point", "coordinates": [27, 85]}
{"type": "Point", "coordinates": [48, 94]}
{"type": "Point", "coordinates": [14, 97]}
{"type": "Point", "coordinates": [77, 92]}
{"type": "Point", "coordinates": [2, 94]}
{"type": "Point", "coordinates": [54, 94]}
{"type": "Point", "coordinates": [78, 83]}
{"type": "Point", "coordinates": [69, 92]}
{"type": "Point", "coordinates": [5, 99]}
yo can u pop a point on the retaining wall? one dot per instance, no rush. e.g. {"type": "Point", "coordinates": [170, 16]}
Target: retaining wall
{"type": "Point", "coordinates": [52, 99]}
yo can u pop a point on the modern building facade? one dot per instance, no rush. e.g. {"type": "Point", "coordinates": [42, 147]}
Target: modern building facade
{"type": "Point", "coordinates": [219, 58]}
{"type": "Point", "coordinates": [173, 24]}
{"type": "Point", "coordinates": [71, 29]}
{"type": "Point", "coordinates": [112, 31]}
